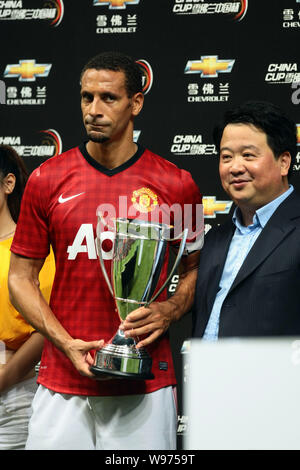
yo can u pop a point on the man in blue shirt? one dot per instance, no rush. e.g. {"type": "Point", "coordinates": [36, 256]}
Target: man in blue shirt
{"type": "Point", "coordinates": [249, 272]}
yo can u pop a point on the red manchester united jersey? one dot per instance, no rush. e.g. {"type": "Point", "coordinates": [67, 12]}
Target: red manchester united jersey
{"type": "Point", "coordinates": [59, 207]}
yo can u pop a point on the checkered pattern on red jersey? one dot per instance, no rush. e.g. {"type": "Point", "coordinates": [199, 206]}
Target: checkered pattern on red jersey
{"type": "Point", "coordinates": [59, 208]}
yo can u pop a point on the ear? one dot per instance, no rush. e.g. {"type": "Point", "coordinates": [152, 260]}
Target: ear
{"type": "Point", "coordinates": [137, 102]}
{"type": "Point", "coordinates": [9, 183]}
{"type": "Point", "coordinates": [285, 163]}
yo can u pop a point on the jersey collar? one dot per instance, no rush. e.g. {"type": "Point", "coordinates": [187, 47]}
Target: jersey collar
{"type": "Point", "coordinates": [114, 171]}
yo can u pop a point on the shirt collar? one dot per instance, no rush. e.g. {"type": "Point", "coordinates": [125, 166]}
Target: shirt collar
{"type": "Point", "coordinates": [263, 214]}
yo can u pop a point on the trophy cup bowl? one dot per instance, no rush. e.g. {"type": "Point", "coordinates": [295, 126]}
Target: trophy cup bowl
{"type": "Point", "coordinates": [138, 257]}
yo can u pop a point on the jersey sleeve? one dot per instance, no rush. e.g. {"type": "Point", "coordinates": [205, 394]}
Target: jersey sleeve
{"type": "Point", "coordinates": [32, 238]}
{"type": "Point", "coordinates": [191, 213]}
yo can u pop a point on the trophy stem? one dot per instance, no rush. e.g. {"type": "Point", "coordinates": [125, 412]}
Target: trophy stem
{"type": "Point", "coordinates": [121, 358]}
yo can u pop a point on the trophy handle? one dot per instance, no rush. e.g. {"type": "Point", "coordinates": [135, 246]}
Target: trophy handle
{"type": "Point", "coordinates": [103, 267]}
{"type": "Point", "coordinates": [178, 257]}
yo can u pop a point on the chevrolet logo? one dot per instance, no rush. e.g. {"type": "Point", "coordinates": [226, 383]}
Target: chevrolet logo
{"type": "Point", "coordinates": [211, 207]}
{"type": "Point", "coordinates": [27, 70]}
{"type": "Point", "coordinates": [209, 66]}
{"type": "Point", "coordinates": [116, 3]}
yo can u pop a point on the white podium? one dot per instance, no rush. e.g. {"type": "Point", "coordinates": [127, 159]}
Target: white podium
{"type": "Point", "coordinates": [242, 394]}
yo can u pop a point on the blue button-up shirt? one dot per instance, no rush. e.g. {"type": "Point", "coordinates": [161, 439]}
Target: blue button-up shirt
{"type": "Point", "coordinates": [241, 243]}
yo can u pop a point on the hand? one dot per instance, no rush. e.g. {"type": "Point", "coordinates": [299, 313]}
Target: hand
{"type": "Point", "coordinates": [153, 321]}
{"type": "Point", "coordinates": [78, 352]}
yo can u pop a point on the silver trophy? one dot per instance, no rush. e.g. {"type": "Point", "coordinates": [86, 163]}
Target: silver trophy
{"type": "Point", "coordinates": [138, 257]}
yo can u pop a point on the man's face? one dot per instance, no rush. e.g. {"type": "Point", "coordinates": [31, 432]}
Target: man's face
{"type": "Point", "coordinates": [106, 109]}
{"type": "Point", "coordinates": [249, 172]}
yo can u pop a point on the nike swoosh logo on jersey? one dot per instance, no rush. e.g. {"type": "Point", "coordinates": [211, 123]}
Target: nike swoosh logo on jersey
{"type": "Point", "coordinates": [62, 199]}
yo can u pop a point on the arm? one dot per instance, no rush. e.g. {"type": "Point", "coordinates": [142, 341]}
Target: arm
{"type": "Point", "coordinates": [156, 319]}
{"type": "Point", "coordinates": [22, 362]}
{"type": "Point", "coordinates": [23, 284]}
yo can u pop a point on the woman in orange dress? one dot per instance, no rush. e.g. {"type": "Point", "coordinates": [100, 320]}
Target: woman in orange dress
{"type": "Point", "coordinates": [20, 344]}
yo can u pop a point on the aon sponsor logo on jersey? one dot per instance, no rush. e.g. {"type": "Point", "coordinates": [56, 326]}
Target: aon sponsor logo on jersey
{"type": "Point", "coordinates": [85, 242]}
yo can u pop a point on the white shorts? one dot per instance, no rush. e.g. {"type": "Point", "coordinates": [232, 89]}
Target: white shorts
{"type": "Point", "coordinates": [131, 422]}
{"type": "Point", "coordinates": [15, 411]}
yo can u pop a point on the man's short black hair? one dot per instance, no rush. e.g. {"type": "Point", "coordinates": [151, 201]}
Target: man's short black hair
{"type": "Point", "coordinates": [118, 62]}
{"type": "Point", "coordinates": [279, 128]}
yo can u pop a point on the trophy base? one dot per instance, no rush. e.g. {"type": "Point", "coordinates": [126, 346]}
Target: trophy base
{"type": "Point", "coordinates": [123, 360]}
{"type": "Point", "coordinates": [118, 374]}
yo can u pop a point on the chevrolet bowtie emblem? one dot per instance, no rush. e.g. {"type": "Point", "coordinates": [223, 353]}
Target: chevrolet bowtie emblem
{"type": "Point", "coordinates": [27, 70]}
{"type": "Point", "coordinates": [212, 207]}
{"type": "Point", "coordinates": [209, 66]}
{"type": "Point", "coordinates": [116, 3]}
